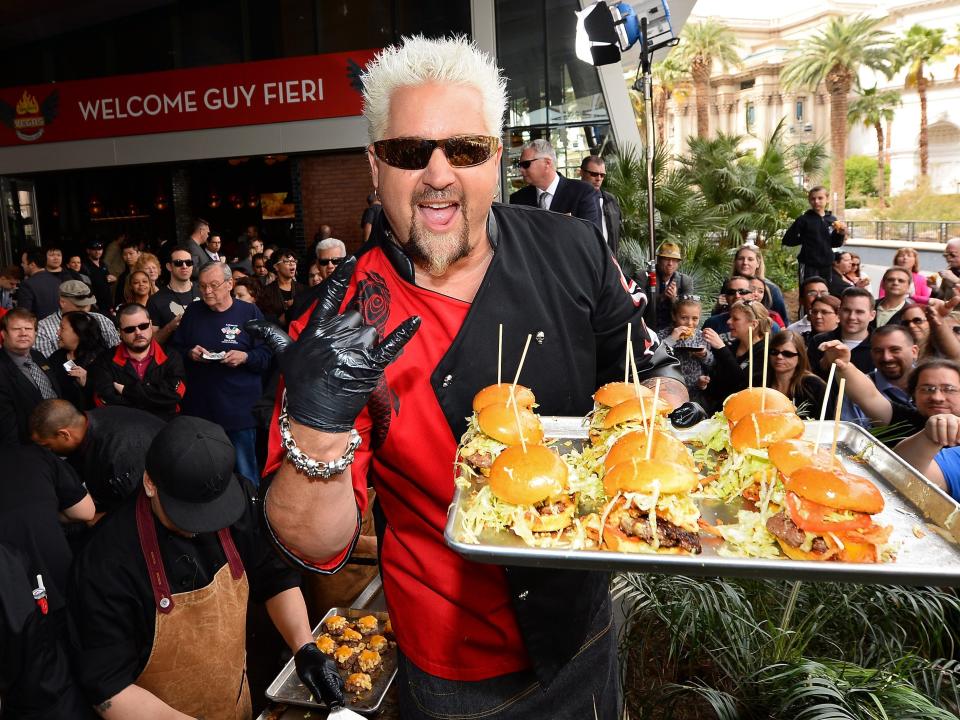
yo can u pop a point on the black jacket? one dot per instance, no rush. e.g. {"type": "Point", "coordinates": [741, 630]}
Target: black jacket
{"type": "Point", "coordinates": [574, 197]}
{"type": "Point", "coordinates": [159, 392]}
{"type": "Point", "coordinates": [101, 287]}
{"type": "Point", "coordinates": [612, 217]}
{"type": "Point", "coordinates": [816, 238]}
{"type": "Point", "coordinates": [860, 356]}
{"type": "Point", "coordinates": [838, 283]}
{"type": "Point", "coordinates": [272, 306]}
{"type": "Point", "coordinates": [731, 372]}
{"type": "Point", "coordinates": [18, 397]}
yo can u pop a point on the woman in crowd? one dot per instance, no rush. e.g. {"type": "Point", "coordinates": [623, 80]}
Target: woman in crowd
{"type": "Point", "coordinates": [246, 289]}
{"type": "Point", "coordinates": [748, 260]}
{"type": "Point", "coordinates": [80, 343]}
{"type": "Point", "coordinates": [150, 264]}
{"type": "Point", "coordinates": [731, 361]}
{"type": "Point", "coordinates": [915, 320]}
{"type": "Point", "coordinates": [919, 290]}
{"type": "Point", "coordinates": [934, 329]}
{"type": "Point", "coordinates": [761, 293]}
{"type": "Point", "coordinates": [138, 288]}
{"type": "Point", "coordinates": [855, 275]}
{"type": "Point", "coordinates": [688, 345]}
{"type": "Point", "coordinates": [824, 315]}
{"type": "Point", "coordinates": [842, 262]}
{"type": "Point", "coordinates": [790, 374]}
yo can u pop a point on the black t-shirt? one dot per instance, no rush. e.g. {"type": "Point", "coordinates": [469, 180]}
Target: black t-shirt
{"type": "Point", "coordinates": [167, 303]}
{"type": "Point", "coordinates": [907, 416]}
{"type": "Point", "coordinates": [370, 215]}
{"type": "Point", "coordinates": [36, 485]}
{"type": "Point", "coordinates": [112, 603]}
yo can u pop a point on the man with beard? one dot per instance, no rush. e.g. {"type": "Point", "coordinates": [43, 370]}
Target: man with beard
{"type": "Point", "coordinates": [894, 354]}
{"type": "Point", "coordinates": [444, 268]}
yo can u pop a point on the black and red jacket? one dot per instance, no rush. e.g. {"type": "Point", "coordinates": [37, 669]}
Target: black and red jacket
{"type": "Point", "coordinates": [159, 392]}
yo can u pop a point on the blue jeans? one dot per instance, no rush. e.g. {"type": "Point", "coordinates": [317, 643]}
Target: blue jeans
{"type": "Point", "coordinates": [244, 442]}
{"type": "Point", "coordinates": [587, 687]}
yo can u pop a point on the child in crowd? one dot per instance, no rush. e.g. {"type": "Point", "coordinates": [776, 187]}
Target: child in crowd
{"type": "Point", "coordinates": [686, 341]}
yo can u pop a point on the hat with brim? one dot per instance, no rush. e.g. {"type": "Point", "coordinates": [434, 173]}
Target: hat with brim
{"type": "Point", "coordinates": [191, 463]}
{"type": "Point", "coordinates": [670, 250]}
{"type": "Point", "coordinates": [77, 292]}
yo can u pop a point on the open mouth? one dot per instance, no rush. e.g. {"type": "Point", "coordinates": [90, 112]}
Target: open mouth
{"type": "Point", "coordinates": [438, 216]}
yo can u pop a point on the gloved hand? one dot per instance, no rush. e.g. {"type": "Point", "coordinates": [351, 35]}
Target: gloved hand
{"type": "Point", "coordinates": [335, 364]}
{"type": "Point", "coordinates": [319, 674]}
{"type": "Point", "coordinates": [687, 415]}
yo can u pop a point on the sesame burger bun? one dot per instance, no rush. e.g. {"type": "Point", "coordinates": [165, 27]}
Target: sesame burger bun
{"type": "Point", "coordinates": [527, 477]}
{"type": "Point", "coordinates": [631, 410]}
{"type": "Point", "coordinates": [748, 401]}
{"type": "Point", "coordinates": [500, 393]}
{"type": "Point", "coordinates": [761, 430]}
{"type": "Point", "coordinates": [499, 421]}
{"type": "Point", "coordinates": [791, 455]}
{"type": "Point", "coordinates": [617, 392]}
{"type": "Point", "coordinates": [634, 445]}
{"type": "Point", "coordinates": [642, 476]}
{"type": "Point", "coordinates": [840, 490]}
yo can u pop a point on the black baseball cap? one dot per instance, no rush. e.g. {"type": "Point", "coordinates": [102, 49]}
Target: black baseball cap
{"type": "Point", "coordinates": [94, 243]}
{"type": "Point", "coordinates": [191, 462]}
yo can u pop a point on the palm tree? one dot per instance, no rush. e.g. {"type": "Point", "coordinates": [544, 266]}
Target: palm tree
{"type": "Point", "coordinates": [670, 80]}
{"type": "Point", "coordinates": [702, 44]}
{"type": "Point", "coordinates": [918, 48]}
{"type": "Point", "coordinates": [871, 108]}
{"type": "Point", "coordinates": [834, 57]}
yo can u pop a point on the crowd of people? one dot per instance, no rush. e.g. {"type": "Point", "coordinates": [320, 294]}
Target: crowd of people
{"type": "Point", "coordinates": [147, 392]}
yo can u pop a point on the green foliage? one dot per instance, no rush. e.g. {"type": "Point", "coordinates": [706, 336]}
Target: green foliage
{"type": "Point", "coordinates": [921, 204]}
{"type": "Point", "coordinates": [707, 42]}
{"type": "Point", "coordinates": [872, 107]}
{"type": "Point", "coordinates": [769, 649]}
{"type": "Point", "coordinates": [919, 47]}
{"type": "Point", "coordinates": [861, 175]}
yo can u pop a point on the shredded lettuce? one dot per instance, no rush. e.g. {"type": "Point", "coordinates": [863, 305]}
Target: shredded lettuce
{"type": "Point", "coordinates": [681, 510]}
{"type": "Point", "coordinates": [739, 471]}
{"type": "Point", "coordinates": [474, 440]}
{"type": "Point", "coordinates": [748, 537]}
{"type": "Point", "coordinates": [715, 437]}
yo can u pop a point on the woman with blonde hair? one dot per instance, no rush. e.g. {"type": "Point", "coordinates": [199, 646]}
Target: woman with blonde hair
{"type": "Point", "coordinates": [749, 320]}
{"type": "Point", "coordinates": [150, 264]}
{"type": "Point", "coordinates": [748, 260]}
{"type": "Point", "coordinates": [919, 290]}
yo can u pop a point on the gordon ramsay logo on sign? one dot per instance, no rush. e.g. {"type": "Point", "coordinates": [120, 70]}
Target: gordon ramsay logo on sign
{"type": "Point", "coordinates": [29, 118]}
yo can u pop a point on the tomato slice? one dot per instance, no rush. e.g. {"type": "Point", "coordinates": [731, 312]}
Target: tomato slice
{"type": "Point", "coordinates": [811, 516]}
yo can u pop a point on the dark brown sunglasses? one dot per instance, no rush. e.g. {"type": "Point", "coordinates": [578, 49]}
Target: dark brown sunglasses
{"type": "Point", "coordinates": [461, 151]}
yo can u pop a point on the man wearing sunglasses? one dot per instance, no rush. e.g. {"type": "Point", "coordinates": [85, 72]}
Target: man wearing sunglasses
{"type": "Point", "coordinates": [548, 189]}
{"type": "Point", "coordinates": [139, 373]}
{"type": "Point", "coordinates": [443, 270]}
{"type": "Point", "coordinates": [330, 253]}
{"type": "Point", "coordinates": [593, 170]}
{"type": "Point", "coordinates": [166, 307]}
{"type": "Point", "coordinates": [734, 290]}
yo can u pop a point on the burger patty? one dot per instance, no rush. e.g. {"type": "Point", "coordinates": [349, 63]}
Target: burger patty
{"type": "Point", "coordinates": [555, 508]}
{"type": "Point", "coordinates": [670, 535]}
{"type": "Point", "coordinates": [479, 460]}
{"type": "Point", "coordinates": [781, 526]}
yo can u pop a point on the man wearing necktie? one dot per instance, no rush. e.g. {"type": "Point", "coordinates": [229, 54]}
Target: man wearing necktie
{"type": "Point", "coordinates": [25, 376]}
{"type": "Point", "coordinates": [549, 190]}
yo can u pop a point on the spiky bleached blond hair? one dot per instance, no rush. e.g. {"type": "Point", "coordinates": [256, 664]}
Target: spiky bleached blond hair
{"type": "Point", "coordinates": [418, 60]}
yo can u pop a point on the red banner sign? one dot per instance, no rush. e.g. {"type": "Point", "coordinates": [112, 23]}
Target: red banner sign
{"type": "Point", "coordinates": [302, 88]}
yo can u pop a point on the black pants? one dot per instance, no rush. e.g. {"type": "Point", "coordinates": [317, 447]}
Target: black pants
{"type": "Point", "coordinates": [808, 271]}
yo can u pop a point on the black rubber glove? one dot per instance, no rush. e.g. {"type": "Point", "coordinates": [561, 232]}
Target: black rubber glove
{"type": "Point", "coordinates": [687, 415]}
{"type": "Point", "coordinates": [319, 674]}
{"type": "Point", "coordinates": [335, 364]}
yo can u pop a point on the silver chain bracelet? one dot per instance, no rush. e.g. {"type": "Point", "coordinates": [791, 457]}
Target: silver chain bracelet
{"type": "Point", "coordinates": [305, 464]}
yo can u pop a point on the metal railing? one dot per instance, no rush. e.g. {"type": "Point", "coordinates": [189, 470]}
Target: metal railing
{"type": "Point", "coordinates": [905, 231]}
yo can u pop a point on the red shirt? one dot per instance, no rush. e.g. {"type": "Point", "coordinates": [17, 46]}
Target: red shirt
{"type": "Point", "coordinates": [453, 618]}
{"type": "Point", "coordinates": [139, 366]}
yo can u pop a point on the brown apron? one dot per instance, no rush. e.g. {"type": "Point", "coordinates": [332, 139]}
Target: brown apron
{"type": "Point", "coordinates": [198, 661]}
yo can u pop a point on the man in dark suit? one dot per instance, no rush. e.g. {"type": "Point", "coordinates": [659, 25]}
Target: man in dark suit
{"type": "Point", "coordinates": [25, 376]}
{"type": "Point", "coordinates": [548, 189]}
{"type": "Point", "coordinates": [593, 170]}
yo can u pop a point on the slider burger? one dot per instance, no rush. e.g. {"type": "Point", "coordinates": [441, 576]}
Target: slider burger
{"type": "Point", "coordinates": [625, 416]}
{"type": "Point", "coordinates": [759, 430]}
{"type": "Point", "coordinates": [500, 393]}
{"type": "Point", "coordinates": [534, 482]}
{"type": "Point", "coordinates": [495, 428]}
{"type": "Point", "coordinates": [633, 445]}
{"type": "Point", "coordinates": [742, 403]}
{"type": "Point", "coordinates": [791, 455]}
{"type": "Point", "coordinates": [827, 516]}
{"type": "Point", "coordinates": [651, 510]}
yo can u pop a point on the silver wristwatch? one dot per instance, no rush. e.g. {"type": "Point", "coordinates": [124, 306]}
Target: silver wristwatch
{"type": "Point", "coordinates": [305, 464]}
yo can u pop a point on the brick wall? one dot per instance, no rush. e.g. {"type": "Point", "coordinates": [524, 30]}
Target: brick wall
{"type": "Point", "coordinates": [334, 191]}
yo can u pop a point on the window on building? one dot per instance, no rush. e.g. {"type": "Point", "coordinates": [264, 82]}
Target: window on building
{"type": "Point", "coordinates": [751, 116]}
{"type": "Point", "coordinates": [747, 84]}
{"type": "Point", "coordinates": [798, 116]}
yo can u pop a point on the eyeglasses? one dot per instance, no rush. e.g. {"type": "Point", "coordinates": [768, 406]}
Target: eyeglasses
{"type": "Point", "coordinates": [822, 312]}
{"type": "Point", "coordinates": [816, 293]}
{"type": "Point", "coordinates": [914, 321]}
{"type": "Point", "coordinates": [741, 292]}
{"type": "Point", "coordinates": [211, 287]}
{"type": "Point", "coordinates": [525, 164]}
{"type": "Point", "coordinates": [130, 329]}
{"type": "Point", "coordinates": [327, 261]}
{"type": "Point", "coordinates": [461, 151]}
{"type": "Point", "coordinates": [182, 263]}
{"type": "Point", "coordinates": [595, 175]}
{"type": "Point", "coordinates": [786, 353]}
{"type": "Point", "coordinates": [932, 389]}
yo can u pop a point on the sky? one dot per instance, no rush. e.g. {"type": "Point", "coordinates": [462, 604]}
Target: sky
{"type": "Point", "coordinates": [737, 8]}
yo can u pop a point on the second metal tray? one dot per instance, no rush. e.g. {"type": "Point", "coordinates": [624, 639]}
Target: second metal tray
{"type": "Point", "coordinates": [925, 520]}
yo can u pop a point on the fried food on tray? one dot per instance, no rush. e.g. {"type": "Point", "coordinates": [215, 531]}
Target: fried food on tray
{"type": "Point", "coordinates": [748, 401]}
{"type": "Point", "coordinates": [349, 635]}
{"type": "Point", "coordinates": [343, 655]}
{"type": "Point", "coordinates": [357, 683]}
{"type": "Point", "coordinates": [378, 643]}
{"type": "Point", "coordinates": [500, 393]}
{"type": "Point", "coordinates": [368, 624]}
{"type": "Point", "coordinates": [369, 660]}
{"type": "Point", "coordinates": [388, 629]}
{"type": "Point", "coordinates": [326, 644]}
{"type": "Point", "coordinates": [335, 624]}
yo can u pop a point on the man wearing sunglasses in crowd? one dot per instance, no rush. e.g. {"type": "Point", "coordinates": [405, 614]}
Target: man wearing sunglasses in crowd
{"type": "Point", "coordinates": [736, 289]}
{"type": "Point", "coordinates": [593, 170]}
{"type": "Point", "coordinates": [139, 373]}
{"type": "Point", "coordinates": [330, 253]}
{"type": "Point", "coordinates": [444, 269]}
{"type": "Point", "coordinates": [548, 189]}
{"type": "Point", "coordinates": [166, 307]}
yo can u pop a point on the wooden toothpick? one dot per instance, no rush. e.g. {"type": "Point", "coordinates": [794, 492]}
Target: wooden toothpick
{"type": "Point", "coordinates": [826, 399]}
{"type": "Point", "coordinates": [766, 354]}
{"type": "Point", "coordinates": [836, 418]}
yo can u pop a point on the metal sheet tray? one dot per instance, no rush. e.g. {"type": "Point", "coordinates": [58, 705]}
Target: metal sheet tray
{"type": "Point", "coordinates": [287, 687]}
{"type": "Point", "coordinates": [914, 507]}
